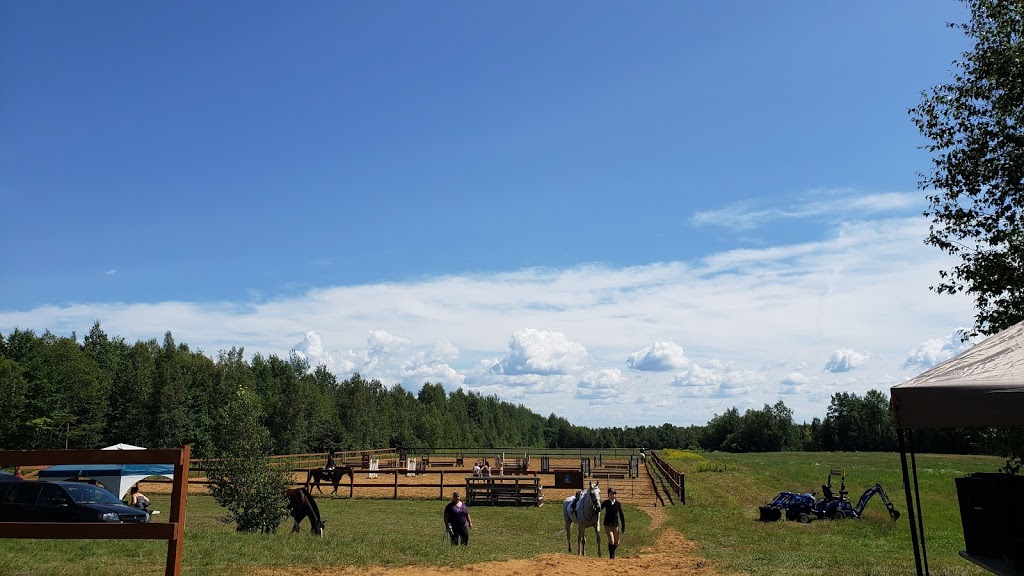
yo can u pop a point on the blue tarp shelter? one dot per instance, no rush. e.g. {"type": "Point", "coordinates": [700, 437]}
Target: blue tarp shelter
{"type": "Point", "coordinates": [118, 478]}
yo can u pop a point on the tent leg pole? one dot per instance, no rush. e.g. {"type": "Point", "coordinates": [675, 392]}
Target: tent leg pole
{"type": "Point", "coordinates": [910, 500]}
{"type": "Point", "coordinates": [917, 498]}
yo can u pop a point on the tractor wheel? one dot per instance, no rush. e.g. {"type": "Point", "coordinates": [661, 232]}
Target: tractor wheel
{"type": "Point", "coordinates": [837, 515]}
{"type": "Point", "coordinates": [805, 518]}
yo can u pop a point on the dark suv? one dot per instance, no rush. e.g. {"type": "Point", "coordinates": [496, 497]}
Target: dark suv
{"type": "Point", "coordinates": [22, 501]}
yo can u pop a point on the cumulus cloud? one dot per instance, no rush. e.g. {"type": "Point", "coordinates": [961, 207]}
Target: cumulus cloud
{"type": "Point", "coordinates": [796, 383]}
{"type": "Point", "coordinates": [845, 360]}
{"type": "Point", "coordinates": [715, 381]}
{"type": "Point", "coordinates": [933, 352]}
{"type": "Point", "coordinates": [311, 349]}
{"type": "Point", "coordinates": [600, 386]}
{"type": "Point", "coordinates": [658, 357]}
{"type": "Point", "coordinates": [541, 352]}
{"type": "Point", "coordinates": [432, 365]}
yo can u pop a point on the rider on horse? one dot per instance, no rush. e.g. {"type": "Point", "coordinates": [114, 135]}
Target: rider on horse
{"type": "Point", "coordinates": [330, 461]}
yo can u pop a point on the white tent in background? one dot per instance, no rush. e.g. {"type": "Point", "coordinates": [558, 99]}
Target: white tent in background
{"type": "Point", "coordinates": [120, 446]}
{"type": "Point", "coordinates": [118, 478]}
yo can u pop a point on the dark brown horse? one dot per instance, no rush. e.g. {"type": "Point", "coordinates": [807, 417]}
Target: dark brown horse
{"type": "Point", "coordinates": [302, 505]}
{"type": "Point", "coordinates": [317, 475]}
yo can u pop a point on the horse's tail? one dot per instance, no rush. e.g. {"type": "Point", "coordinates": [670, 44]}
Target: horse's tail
{"type": "Point", "coordinates": [309, 480]}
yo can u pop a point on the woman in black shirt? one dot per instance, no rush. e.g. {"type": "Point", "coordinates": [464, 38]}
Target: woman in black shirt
{"type": "Point", "coordinates": [614, 521]}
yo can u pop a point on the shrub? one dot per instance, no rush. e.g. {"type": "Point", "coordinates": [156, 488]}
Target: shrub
{"type": "Point", "coordinates": [242, 479]}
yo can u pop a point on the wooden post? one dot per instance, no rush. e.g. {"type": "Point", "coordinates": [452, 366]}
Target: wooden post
{"type": "Point", "coordinates": [179, 496]}
{"type": "Point", "coordinates": [396, 486]}
{"type": "Point", "coordinates": [442, 484]}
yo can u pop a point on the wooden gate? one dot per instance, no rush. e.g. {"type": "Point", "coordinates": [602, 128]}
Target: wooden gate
{"type": "Point", "coordinates": [173, 531]}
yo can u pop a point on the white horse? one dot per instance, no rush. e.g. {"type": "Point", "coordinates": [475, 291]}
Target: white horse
{"type": "Point", "coordinates": [584, 509]}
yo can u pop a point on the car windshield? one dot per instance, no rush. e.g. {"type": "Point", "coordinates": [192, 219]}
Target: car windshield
{"type": "Point", "coordinates": [88, 494]}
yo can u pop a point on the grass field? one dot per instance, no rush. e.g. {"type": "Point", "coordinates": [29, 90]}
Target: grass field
{"type": "Point", "coordinates": [725, 490]}
{"type": "Point", "coordinates": [723, 495]}
{"type": "Point", "coordinates": [358, 532]}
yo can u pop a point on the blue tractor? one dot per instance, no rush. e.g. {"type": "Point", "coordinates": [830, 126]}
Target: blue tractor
{"type": "Point", "coordinates": [794, 505]}
{"type": "Point", "coordinates": [803, 507]}
{"type": "Point", "coordinates": [839, 507]}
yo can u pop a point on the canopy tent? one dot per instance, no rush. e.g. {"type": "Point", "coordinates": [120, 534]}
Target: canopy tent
{"type": "Point", "coordinates": [980, 388]}
{"type": "Point", "coordinates": [118, 478]}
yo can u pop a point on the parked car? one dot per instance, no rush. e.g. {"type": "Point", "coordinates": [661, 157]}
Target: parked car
{"type": "Point", "coordinates": [32, 501]}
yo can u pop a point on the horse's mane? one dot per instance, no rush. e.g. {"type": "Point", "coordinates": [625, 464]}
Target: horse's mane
{"type": "Point", "coordinates": [307, 496]}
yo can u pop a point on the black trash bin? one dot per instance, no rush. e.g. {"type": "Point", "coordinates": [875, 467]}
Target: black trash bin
{"type": "Point", "coordinates": [991, 510]}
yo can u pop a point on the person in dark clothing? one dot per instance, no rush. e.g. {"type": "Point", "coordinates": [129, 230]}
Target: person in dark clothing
{"type": "Point", "coordinates": [457, 520]}
{"type": "Point", "coordinates": [614, 521]}
{"type": "Point", "coordinates": [330, 461]}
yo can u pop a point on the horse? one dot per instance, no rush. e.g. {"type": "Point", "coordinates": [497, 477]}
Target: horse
{"type": "Point", "coordinates": [333, 475]}
{"type": "Point", "coordinates": [301, 505]}
{"type": "Point", "coordinates": [584, 509]}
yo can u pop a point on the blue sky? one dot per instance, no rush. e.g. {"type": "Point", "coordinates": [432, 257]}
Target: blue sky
{"type": "Point", "coordinates": [622, 213]}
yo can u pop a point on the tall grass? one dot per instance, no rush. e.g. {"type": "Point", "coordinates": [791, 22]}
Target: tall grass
{"type": "Point", "coordinates": [724, 492]}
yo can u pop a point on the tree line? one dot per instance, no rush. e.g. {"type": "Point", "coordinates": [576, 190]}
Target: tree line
{"type": "Point", "coordinates": [57, 392]}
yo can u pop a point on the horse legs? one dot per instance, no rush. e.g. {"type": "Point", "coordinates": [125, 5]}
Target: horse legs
{"type": "Point", "coordinates": [581, 547]}
{"type": "Point", "coordinates": [568, 530]}
{"type": "Point", "coordinates": [597, 534]}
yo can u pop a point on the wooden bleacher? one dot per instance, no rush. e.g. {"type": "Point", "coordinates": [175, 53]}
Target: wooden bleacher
{"type": "Point", "coordinates": [504, 491]}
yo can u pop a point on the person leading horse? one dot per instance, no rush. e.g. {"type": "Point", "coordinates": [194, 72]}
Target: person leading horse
{"type": "Point", "coordinates": [584, 510]}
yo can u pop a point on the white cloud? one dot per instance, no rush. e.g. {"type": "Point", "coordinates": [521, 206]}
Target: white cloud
{"type": "Point", "coordinates": [745, 318]}
{"type": "Point", "coordinates": [541, 352]}
{"type": "Point", "coordinates": [936, 351]}
{"type": "Point", "coordinates": [845, 360]}
{"type": "Point", "coordinates": [796, 383]}
{"type": "Point", "coordinates": [658, 357]}
{"type": "Point", "coordinates": [601, 386]}
{"type": "Point", "coordinates": [311, 348]}
{"type": "Point", "coordinates": [715, 381]}
{"type": "Point", "coordinates": [834, 203]}
{"type": "Point", "coordinates": [432, 366]}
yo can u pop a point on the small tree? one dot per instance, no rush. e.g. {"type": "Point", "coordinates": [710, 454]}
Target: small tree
{"type": "Point", "coordinates": [242, 479]}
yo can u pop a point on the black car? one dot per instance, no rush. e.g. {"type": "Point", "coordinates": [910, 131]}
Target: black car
{"type": "Point", "coordinates": [22, 501]}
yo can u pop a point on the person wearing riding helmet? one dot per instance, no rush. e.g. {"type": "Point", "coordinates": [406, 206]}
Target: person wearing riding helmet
{"type": "Point", "coordinates": [612, 516]}
{"type": "Point", "coordinates": [457, 520]}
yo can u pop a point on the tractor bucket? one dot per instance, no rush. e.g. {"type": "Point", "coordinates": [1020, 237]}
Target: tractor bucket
{"type": "Point", "coordinates": [770, 514]}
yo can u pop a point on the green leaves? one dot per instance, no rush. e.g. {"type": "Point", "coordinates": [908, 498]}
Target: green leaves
{"type": "Point", "coordinates": [975, 128]}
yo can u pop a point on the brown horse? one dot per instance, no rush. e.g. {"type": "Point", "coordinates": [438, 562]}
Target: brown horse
{"type": "Point", "coordinates": [317, 475]}
{"type": "Point", "coordinates": [301, 505]}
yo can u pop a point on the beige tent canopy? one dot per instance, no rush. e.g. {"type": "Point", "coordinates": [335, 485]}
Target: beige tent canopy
{"type": "Point", "coordinates": [982, 387]}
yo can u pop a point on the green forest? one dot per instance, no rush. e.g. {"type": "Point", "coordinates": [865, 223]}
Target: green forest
{"type": "Point", "coordinates": [57, 392]}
